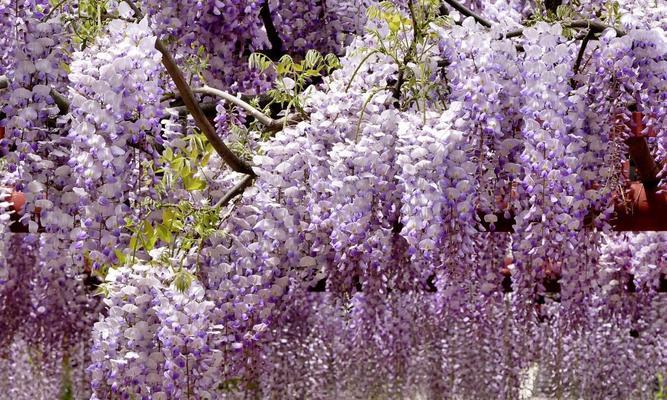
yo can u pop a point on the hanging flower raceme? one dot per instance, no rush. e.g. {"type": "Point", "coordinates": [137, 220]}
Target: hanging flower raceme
{"type": "Point", "coordinates": [116, 110]}
{"type": "Point", "coordinates": [17, 272]}
{"type": "Point", "coordinates": [322, 25]}
{"type": "Point", "coordinates": [62, 299]}
{"type": "Point", "coordinates": [437, 207]}
{"type": "Point", "coordinates": [550, 226]}
{"type": "Point", "coordinates": [33, 143]}
{"type": "Point", "coordinates": [22, 378]}
{"type": "Point", "coordinates": [366, 197]}
{"type": "Point", "coordinates": [485, 81]}
{"type": "Point", "coordinates": [154, 341]}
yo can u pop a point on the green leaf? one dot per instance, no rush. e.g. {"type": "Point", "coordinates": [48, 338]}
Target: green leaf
{"type": "Point", "coordinates": [206, 158]}
{"type": "Point", "coordinates": [192, 183]}
{"type": "Point", "coordinates": [183, 280]}
{"type": "Point", "coordinates": [120, 255]}
{"type": "Point", "coordinates": [148, 229]}
{"type": "Point", "coordinates": [200, 142]}
{"type": "Point", "coordinates": [286, 60]}
{"type": "Point", "coordinates": [387, 6]}
{"type": "Point", "coordinates": [193, 154]}
{"type": "Point", "coordinates": [373, 12]}
{"type": "Point", "coordinates": [313, 58]}
{"type": "Point", "coordinates": [150, 242]}
{"type": "Point", "coordinates": [311, 73]}
{"type": "Point", "coordinates": [259, 61]}
{"type": "Point", "coordinates": [134, 243]}
{"type": "Point", "coordinates": [178, 164]}
{"type": "Point", "coordinates": [168, 215]}
{"type": "Point", "coordinates": [148, 237]}
{"type": "Point", "coordinates": [563, 12]}
{"type": "Point", "coordinates": [177, 225]}
{"type": "Point", "coordinates": [332, 61]}
{"type": "Point", "coordinates": [394, 23]}
{"type": "Point", "coordinates": [164, 234]}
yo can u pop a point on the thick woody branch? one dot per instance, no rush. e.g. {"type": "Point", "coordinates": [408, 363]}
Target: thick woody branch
{"type": "Point", "coordinates": [198, 115]}
{"type": "Point", "coordinates": [271, 32]}
{"type": "Point", "coordinates": [209, 108]}
{"type": "Point", "coordinates": [580, 55]}
{"type": "Point", "coordinates": [596, 26]}
{"type": "Point", "coordinates": [192, 104]}
{"type": "Point", "coordinates": [61, 101]}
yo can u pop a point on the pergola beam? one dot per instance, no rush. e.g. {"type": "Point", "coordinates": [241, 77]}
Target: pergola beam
{"type": "Point", "coordinates": [644, 211]}
{"type": "Point", "coordinates": [644, 164]}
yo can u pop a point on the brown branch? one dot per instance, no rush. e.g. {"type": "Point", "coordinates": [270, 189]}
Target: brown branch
{"type": "Point", "coordinates": [60, 100]}
{"type": "Point", "coordinates": [209, 108]}
{"type": "Point", "coordinates": [468, 12]}
{"type": "Point", "coordinates": [595, 26]}
{"type": "Point", "coordinates": [580, 55]}
{"type": "Point", "coordinates": [273, 125]}
{"type": "Point", "coordinates": [258, 115]}
{"type": "Point", "coordinates": [271, 32]}
{"type": "Point", "coordinates": [235, 191]}
{"type": "Point", "coordinates": [202, 122]}
{"type": "Point", "coordinates": [644, 161]}
{"type": "Point", "coordinates": [409, 56]}
{"type": "Point", "coordinates": [192, 104]}
{"type": "Point", "coordinates": [582, 50]}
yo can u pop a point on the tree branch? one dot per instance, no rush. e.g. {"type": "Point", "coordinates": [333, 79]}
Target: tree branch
{"type": "Point", "coordinates": [235, 191]}
{"type": "Point", "coordinates": [258, 115]}
{"type": "Point", "coordinates": [595, 26]}
{"type": "Point", "coordinates": [468, 13]}
{"type": "Point", "coordinates": [580, 55]}
{"type": "Point", "coordinates": [271, 32]}
{"type": "Point", "coordinates": [60, 100]}
{"type": "Point", "coordinates": [271, 124]}
{"type": "Point", "coordinates": [645, 163]}
{"type": "Point", "coordinates": [208, 107]}
{"type": "Point", "coordinates": [191, 103]}
{"type": "Point", "coordinates": [409, 56]}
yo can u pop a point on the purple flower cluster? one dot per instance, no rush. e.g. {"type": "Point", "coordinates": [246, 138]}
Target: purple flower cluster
{"type": "Point", "coordinates": [327, 26]}
{"type": "Point", "coordinates": [116, 108]}
{"type": "Point", "coordinates": [153, 341]}
{"type": "Point", "coordinates": [365, 259]}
